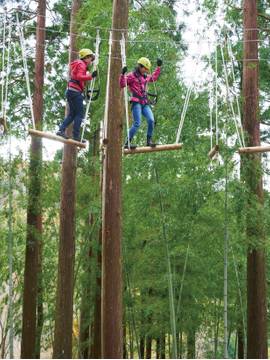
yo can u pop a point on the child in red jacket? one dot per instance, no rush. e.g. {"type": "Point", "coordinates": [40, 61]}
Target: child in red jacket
{"type": "Point", "coordinates": [74, 93]}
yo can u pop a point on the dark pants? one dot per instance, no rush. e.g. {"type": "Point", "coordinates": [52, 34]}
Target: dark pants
{"type": "Point", "coordinates": [76, 112]}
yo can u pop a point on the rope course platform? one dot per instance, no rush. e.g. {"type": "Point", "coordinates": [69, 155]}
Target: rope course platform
{"type": "Point", "coordinates": [50, 136]}
{"type": "Point", "coordinates": [254, 149]}
{"type": "Point", "coordinates": [147, 149]}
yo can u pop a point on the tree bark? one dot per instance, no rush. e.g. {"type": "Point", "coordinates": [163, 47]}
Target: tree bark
{"type": "Point", "coordinates": [252, 174]}
{"type": "Point", "coordinates": [40, 315]}
{"type": "Point", "coordinates": [142, 347]}
{"type": "Point", "coordinates": [34, 207]}
{"type": "Point", "coordinates": [191, 344]}
{"type": "Point", "coordinates": [62, 347]}
{"type": "Point", "coordinates": [158, 348]}
{"type": "Point", "coordinates": [163, 346]}
{"type": "Point", "coordinates": [85, 315]}
{"type": "Point", "coordinates": [148, 347]}
{"type": "Point", "coordinates": [241, 344]}
{"type": "Point", "coordinates": [96, 334]}
{"type": "Point", "coordinates": [112, 337]}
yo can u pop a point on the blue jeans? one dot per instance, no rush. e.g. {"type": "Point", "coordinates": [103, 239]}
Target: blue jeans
{"type": "Point", "coordinates": [76, 112]}
{"type": "Point", "coordinates": [137, 111]}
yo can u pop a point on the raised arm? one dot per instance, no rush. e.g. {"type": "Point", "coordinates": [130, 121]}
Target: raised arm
{"type": "Point", "coordinates": [125, 79]}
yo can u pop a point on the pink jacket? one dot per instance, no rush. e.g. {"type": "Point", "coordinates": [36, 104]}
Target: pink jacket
{"type": "Point", "coordinates": [78, 69]}
{"type": "Point", "coordinates": [137, 84]}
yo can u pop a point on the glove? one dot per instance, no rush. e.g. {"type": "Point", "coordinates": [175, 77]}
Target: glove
{"type": "Point", "coordinates": [94, 74]}
{"type": "Point", "coordinates": [159, 62]}
{"type": "Point", "coordinates": [124, 70]}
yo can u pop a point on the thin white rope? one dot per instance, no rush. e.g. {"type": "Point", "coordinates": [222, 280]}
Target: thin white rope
{"type": "Point", "coordinates": [22, 42]}
{"type": "Point", "coordinates": [183, 114]}
{"type": "Point", "coordinates": [124, 63]}
{"type": "Point", "coordinates": [211, 119]}
{"type": "Point", "coordinates": [186, 103]}
{"type": "Point", "coordinates": [229, 98]}
{"type": "Point", "coordinates": [8, 72]}
{"type": "Point", "coordinates": [232, 58]}
{"type": "Point", "coordinates": [3, 64]}
{"type": "Point", "coordinates": [216, 93]}
{"type": "Point", "coordinates": [92, 86]}
{"type": "Point", "coordinates": [107, 89]}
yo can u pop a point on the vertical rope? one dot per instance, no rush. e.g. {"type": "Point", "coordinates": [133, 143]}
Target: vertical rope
{"type": "Point", "coordinates": [107, 89]}
{"type": "Point", "coordinates": [10, 259]}
{"type": "Point", "coordinates": [22, 42]}
{"type": "Point", "coordinates": [3, 64]}
{"type": "Point", "coordinates": [211, 119]}
{"type": "Point", "coordinates": [92, 86]}
{"type": "Point", "coordinates": [216, 93]}
{"type": "Point", "coordinates": [226, 241]}
{"type": "Point", "coordinates": [230, 52]}
{"type": "Point", "coordinates": [187, 98]}
{"type": "Point", "coordinates": [229, 98]}
{"type": "Point", "coordinates": [124, 63]}
{"type": "Point", "coordinates": [8, 72]}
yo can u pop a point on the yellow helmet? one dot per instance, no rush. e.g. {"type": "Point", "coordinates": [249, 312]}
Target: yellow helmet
{"type": "Point", "coordinates": [145, 62]}
{"type": "Point", "coordinates": [85, 52]}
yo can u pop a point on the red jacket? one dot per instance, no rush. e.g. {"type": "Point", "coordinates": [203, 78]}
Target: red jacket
{"type": "Point", "coordinates": [137, 84]}
{"type": "Point", "coordinates": [77, 73]}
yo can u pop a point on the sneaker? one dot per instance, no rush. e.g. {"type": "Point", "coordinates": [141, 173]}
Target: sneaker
{"type": "Point", "coordinates": [131, 146]}
{"type": "Point", "coordinates": [149, 142]}
{"type": "Point", "coordinates": [62, 134]}
{"type": "Point", "coordinates": [76, 138]}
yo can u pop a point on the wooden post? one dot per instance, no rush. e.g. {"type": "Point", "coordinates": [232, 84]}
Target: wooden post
{"type": "Point", "coordinates": [251, 168]}
{"type": "Point", "coordinates": [34, 207]}
{"type": "Point", "coordinates": [62, 347]}
{"type": "Point", "coordinates": [111, 313]}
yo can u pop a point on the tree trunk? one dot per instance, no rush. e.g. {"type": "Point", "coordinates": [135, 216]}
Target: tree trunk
{"type": "Point", "coordinates": [85, 319]}
{"type": "Point", "coordinates": [163, 346]}
{"type": "Point", "coordinates": [241, 344]}
{"type": "Point", "coordinates": [191, 350]}
{"type": "Point", "coordinates": [158, 348]}
{"type": "Point", "coordinates": [34, 207]}
{"type": "Point", "coordinates": [40, 315]}
{"type": "Point", "coordinates": [96, 344]}
{"type": "Point", "coordinates": [252, 174]}
{"type": "Point", "coordinates": [62, 347]}
{"type": "Point", "coordinates": [142, 347]}
{"type": "Point", "coordinates": [112, 337]}
{"type": "Point", "coordinates": [148, 347]}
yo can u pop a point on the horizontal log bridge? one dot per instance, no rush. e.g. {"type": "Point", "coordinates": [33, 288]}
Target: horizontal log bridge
{"type": "Point", "coordinates": [50, 136]}
{"type": "Point", "coordinates": [146, 149]}
{"type": "Point", "coordinates": [254, 149]}
{"type": "Point", "coordinates": [213, 151]}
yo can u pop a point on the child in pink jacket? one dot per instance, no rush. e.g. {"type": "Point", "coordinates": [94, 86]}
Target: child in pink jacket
{"type": "Point", "coordinates": [137, 84]}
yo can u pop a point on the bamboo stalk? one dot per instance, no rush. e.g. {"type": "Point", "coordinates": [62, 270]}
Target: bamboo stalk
{"type": "Point", "coordinates": [146, 149]}
{"type": "Point", "coordinates": [49, 136]}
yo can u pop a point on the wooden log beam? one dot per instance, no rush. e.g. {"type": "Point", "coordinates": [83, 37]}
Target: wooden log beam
{"type": "Point", "coordinates": [146, 149]}
{"type": "Point", "coordinates": [213, 151]}
{"type": "Point", "coordinates": [49, 136]}
{"type": "Point", "coordinates": [254, 149]}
